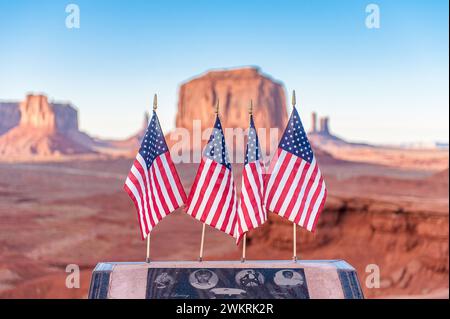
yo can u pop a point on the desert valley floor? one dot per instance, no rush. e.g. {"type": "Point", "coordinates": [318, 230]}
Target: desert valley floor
{"type": "Point", "coordinates": [75, 212]}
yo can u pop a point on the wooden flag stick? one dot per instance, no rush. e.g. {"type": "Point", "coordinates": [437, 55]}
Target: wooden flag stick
{"type": "Point", "coordinates": [244, 246]}
{"type": "Point", "coordinates": [200, 257]}
{"type": "Point", "coordinates": [155, 102]}
{"type": "Point", "coordinates": [294, 255]}
{"type": "Point", "coordinates": [147, 259]}
{"type": "Point", "coordinates": [294, 226]}
{"type": "Point", "coordinates": [216, 110]}
{"type": "Point", "coordinates": [244, 240]}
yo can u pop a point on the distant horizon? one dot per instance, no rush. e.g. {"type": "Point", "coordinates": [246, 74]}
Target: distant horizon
{"type": "Point", "coordinates": [384, 86]}
{"type": "Point", "coordinates": [289, 108]}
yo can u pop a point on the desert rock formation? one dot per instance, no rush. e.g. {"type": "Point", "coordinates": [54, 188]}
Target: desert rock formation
{"type": "Point", "coordinates": [409, 246]}
{"type": "Point", "coordinates": [43, 130]}
{"type": "Point", "coordinates": [36, 129]}
{"type": "Point", "coordinates": [323, 125]}
{"type": "Point", "coordinates": [324, 140]}
{"type": "Point", "coordinates": [37, 113]}
{"type": "Point", "coordinates": [234, 89]}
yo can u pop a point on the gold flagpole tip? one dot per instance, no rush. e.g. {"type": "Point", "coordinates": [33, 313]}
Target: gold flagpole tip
{"type": "Point", "coordinates": [217, 107]}
{"type": "Point", "coordinates": [294, 101]}
{"type": "Point", "coordinates": [250, 107]}
{"type": "Point", "coordinates": [155, 102]}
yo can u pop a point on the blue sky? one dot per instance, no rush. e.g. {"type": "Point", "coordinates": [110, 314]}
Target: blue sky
{"type": "Point", "coordinates": [387, 85]}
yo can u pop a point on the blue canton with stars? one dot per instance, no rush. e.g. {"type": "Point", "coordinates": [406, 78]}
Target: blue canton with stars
{"type": "Point", "coordinates": [216, 149]}
{"type": "Point", "coordinates": [294, 139]}
{"type": "Point", "coordinates": [153, 143]}
{"type": "Point", "coordinates": [252, 152]}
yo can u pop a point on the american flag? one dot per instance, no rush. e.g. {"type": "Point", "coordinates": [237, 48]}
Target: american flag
{"type": "Point", "coordinates": [251, 211]}
{"type": "Point", "coordinates": [153, 182]}
{"type": "Point", "coordinates": [296, 189]}
{"type": "Point", "coordinates": [212, 199]}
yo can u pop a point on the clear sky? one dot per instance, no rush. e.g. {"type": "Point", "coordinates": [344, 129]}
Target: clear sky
{"type": "Point", "coordinates": [386, 85]}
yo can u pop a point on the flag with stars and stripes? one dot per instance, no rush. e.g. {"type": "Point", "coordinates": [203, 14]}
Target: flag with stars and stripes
{"type": "Point", "coordinates": [295, 189]}
{"type": "Point", "coordinates": [251, 210]}
{"type": "Point", "coordinates": [153, 182]}
{"type": "Point", "coordinates": [212, 199]}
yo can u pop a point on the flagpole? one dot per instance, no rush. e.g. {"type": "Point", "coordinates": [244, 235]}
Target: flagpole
{"type": "Point", "coordinates": [294, 255]}
{"type": "Point", "coordinates": [244, 246]}
{"type": "Point", "coordinates": [147, 259]}
{"type": "Point", "coordinates": [200, 257]}
{"type": "Point", "coordinates": [294, 226]}
{"type": "Point", "coordinates": [202, 241]}
{"type": "Point", "coordinates": [244, 240]}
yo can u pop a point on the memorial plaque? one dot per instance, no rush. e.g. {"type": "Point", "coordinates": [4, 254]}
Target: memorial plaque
{"type": "Point", "coordinates": [226, 283]}
{"type": "Point", "coordinates": [275, 279]}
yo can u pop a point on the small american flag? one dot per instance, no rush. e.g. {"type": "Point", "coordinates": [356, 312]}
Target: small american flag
{"type": "Point", "coordinates": [251, 211]}
{"type": "Point", "coordinates": [153, 182]}
{"type": "Point", "coordinates": [296, 189]}
{"type": "Point", "coordinates": [212, 199]}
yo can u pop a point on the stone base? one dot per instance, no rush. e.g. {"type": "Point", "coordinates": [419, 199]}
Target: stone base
{"type": "Point", "coordinates": [274, 279]}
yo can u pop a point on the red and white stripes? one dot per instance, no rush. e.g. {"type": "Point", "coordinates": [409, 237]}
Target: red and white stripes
{"type": "Point", "coordinates": [296, 190]}
{"type": "Point", "coordinates": [251, 210]}
{"type": "Point", "coordinates": [212, 199]}
{"type": "Point", "coordinates": [156, 192]}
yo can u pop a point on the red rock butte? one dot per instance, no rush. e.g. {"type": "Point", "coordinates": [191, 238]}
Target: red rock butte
{"type": "Point", "coordinates": [40, 129]}
{"type": "Point", "coordinates": [37, 113]}
{"type": "Point", "coordinates": [234, 88]}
